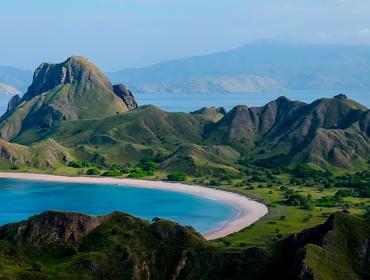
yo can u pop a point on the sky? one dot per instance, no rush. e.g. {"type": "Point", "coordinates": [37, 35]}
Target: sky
{"type": "Point", "coordinates": [119, 34]}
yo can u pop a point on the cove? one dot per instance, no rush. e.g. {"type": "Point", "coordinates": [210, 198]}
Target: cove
{"type": "Point", "coordinates": [20, 199]}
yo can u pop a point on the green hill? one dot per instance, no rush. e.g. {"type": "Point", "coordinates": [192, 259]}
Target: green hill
{"type": "Point", "coordinates": [328, 133]}
{"type": "Point", "coordinates": [57, 245]}
{"type": "Point", "coordinates": [77, 107]}
{"type": "Point", "coordinates": [74, 89]}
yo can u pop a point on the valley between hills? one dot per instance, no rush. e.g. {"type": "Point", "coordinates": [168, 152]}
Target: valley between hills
{"type": "Point", "coordinates": [309, 163]}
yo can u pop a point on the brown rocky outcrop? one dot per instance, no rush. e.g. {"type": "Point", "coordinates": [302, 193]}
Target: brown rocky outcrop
{"type": "Point", "coordinates": [126, 95]}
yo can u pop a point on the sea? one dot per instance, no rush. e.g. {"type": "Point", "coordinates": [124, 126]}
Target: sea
{"type": "Point", "coordinates": [21, 199]}
{"type": "Point", "coordinates": [188, 102]}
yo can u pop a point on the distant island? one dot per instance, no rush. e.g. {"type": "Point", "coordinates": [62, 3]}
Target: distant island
{"type": "Point", "coordinates": [252, 68]}
{"type": "Point", "coordinates": [257, 67]}
{"type": "Point", "coordinates": [309, 163]}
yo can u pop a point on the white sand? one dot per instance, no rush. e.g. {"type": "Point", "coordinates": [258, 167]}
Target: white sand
{"type": "Point", "coordinates": [249, 212]}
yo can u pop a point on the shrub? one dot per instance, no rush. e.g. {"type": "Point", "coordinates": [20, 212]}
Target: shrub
{"type": "Point", "coordinates": [176, 177]}
{"type": "Point", "coordinates": [125, 170]}
{"type": "Point", "coordinates": [75, 164]}
{"type": "Point", "coordinates": [326, 201]}
{"type": "Point", "coordinates": [214, 183]}
{"type": "Point", "coordinates": [343, 193]}
{"type": "Point", "coordinates": [148, 165]}
{"type": "Point", "coordinates": [306, 171]}
{"type": "Point", "coordinates": [304, 202]}
{"type": "Point", "coordinates": [79, 164]}
{"type": "Point", "coordinates": [138, 173]}
{"type": "Point", "coordinates": [93, 171]}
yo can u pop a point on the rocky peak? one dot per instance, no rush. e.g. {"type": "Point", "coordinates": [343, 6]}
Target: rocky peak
{"type": "Point", "coordinates": [210, 110]}
{"type": "Point", "coordinates": [211, 113]}
{"type": "Point", "coordinates": [338, 112]}
{"type": "Point", "coordinates": [126, 95]}
{"type": "Point", "coordinates": [74, 69]}
{"type": "Point", "coordinates": [282, 99]}
{"type": "Point", "coordinates": [341, 96]}
{"type": "Point", "coordinates": [13, 103]}
{"type": "Point", "coordinates": [72, 90]}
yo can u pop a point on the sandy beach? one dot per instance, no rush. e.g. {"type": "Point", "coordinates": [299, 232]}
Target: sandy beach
{"type": "Point", "coordinates": [249, 212]}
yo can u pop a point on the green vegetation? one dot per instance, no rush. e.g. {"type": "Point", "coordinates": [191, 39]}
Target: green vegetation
{"type": "Point", "coordinates": [112, 173]}
{"type": "Point", "coordinates": [305, 161]}
{"type": "Point", "coordinates": [93, 171]}
{"type": "Point", "coordinates": [78, 164]}
{"type": "Point", "coordinates": [176, 177]}
{"type": "Point", "coordinates": [145, 168]}
{"type": "Point", "coordinates": [57, 245]}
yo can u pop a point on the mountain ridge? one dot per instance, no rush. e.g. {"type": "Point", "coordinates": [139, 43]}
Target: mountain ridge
{"type": "Point", "coordinates": [84, 114]}
{"type": "Point", "coordinates": [290, 66]}
{"type": "Point", "coordinates": [279, 66]}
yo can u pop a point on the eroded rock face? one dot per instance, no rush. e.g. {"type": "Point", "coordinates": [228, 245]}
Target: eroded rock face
{"type": "Point", "coordinates": [13, 103]}
{"type": "Point", "coordinates": [50, 228]}
{"type": "Point", "coordinates": [126, 95]}
{"type": "Point", "coordinates": [365, 122]}
{"type": "Point", "coordinates": [75, 69]}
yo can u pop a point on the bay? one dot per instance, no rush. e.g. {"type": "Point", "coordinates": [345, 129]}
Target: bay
{"type": "Point", "coordinates": [21, 199]}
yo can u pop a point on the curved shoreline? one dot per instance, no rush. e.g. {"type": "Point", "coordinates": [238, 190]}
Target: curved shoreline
{"type": "Point", "coordinates": [250, 210]}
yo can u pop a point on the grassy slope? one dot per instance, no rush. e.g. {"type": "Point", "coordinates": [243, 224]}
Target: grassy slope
{"type": "Point", "coordinates": [145, 132]}
{"type": "Point", "coordinates": [70, 101]}
{"type": "Point", "coordinates": [273, 227]}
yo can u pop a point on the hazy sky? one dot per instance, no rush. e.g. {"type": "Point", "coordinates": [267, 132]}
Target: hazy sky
{"type": "Point", "coordinates": [118, 34]}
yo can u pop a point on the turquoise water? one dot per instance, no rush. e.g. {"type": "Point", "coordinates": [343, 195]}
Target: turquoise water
{"type": "Point", "coordinates": [21, 199]}
{"type": "Point", "coordinates": [187, 102]}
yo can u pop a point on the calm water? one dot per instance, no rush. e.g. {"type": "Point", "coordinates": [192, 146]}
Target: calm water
{"type": "Point", "coordinates": [21, 199]}
{"type": "Point", "coordinates": [187, 102]}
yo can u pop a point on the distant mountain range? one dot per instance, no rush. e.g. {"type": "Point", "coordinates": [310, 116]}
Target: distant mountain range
{"type": "Point", "coordinates": [72, 111]}
{"type": "Point", "coordinates": [256, 68]}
